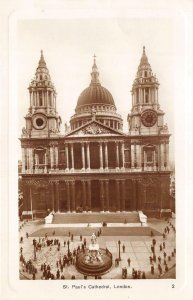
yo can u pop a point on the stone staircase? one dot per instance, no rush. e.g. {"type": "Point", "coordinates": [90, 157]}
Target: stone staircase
{"type": "Point", "coordinates": [77, 218]}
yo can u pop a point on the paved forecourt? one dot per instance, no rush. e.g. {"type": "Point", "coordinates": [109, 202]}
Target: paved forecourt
{"type": "Point", "coordinates": [137, 248]}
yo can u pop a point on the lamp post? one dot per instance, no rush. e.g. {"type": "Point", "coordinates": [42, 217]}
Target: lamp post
{"type": "Point", "coordinates": [119, 243]}
{"type": "Point", "coordinates": [68, 243]}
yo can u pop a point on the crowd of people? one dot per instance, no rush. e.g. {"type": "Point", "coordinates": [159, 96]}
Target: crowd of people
{"type": "Point", "coordinates": [158, 259]}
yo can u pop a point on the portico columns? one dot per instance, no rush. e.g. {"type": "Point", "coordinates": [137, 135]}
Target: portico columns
{"type": "Point", "coordinates": [106, 156]}
{"type": "Point", "coordinates": [88, 155]}
{"type": "Point", "coordinates": [68, 195]}
{"type": "Point", "coordinates": [53, 196]}
{"type": "Point", "coordinates": [117, 196]}
{"type": "Point", "coordinates": [117, 155]}
{"type": "Point", "coordinates": [73, 195]}
{"type": "Point", "coordinates": [84, 195]}
{"type": "Point", "coordinates": [122, 156]}
{"type": "Point", "coordinates": [57, 195]}
{"type": "Point", "coordinates": [67, 158]}
{"type": "Point", "coordinates": [101, 156]}
{"type": "Point", "coordinates": [51, 158]}
{"type": "Point", "coordinates": [89, 195]}
{"type": "Point", "coordinates": [72, 156]}
{"type": "Point", "coordinates": [83, 157]}
{"type": "Point", "coordinates": [107, 195]}
{"type": "Point", "coordinates": [102, 195]}
{"type": "Point", "coordinates": [122, 194]}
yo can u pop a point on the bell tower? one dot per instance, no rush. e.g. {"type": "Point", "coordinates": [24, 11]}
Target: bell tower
{"type": "Point", "coordinates": [42, 119]}
{"type": "Point", "coordinates": [146, 117]}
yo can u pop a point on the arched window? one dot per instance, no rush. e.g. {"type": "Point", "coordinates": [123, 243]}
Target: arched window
{"type": "Point", "coordinates": [146, 95]}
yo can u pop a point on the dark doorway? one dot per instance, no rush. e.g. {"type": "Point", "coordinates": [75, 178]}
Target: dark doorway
{"type": "Point", "coordinates": [94, 156]}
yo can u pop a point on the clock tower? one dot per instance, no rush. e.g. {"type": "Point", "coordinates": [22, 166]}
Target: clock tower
{"type": "Point", "coordinates": [42, 119]}
{"type": "Point", "coordinates": [146, 117]}
{"type": "Point", "coordinates": [149, 135]}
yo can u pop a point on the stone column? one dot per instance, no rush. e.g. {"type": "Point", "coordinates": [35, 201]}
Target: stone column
{"type": "Point", "coordinates": [89, 195]}
{"type": "Point", "coordinates": [134, 202]}
{"type": "Point", "coordinates": [57, 196]}
{"type": "Point", "coordinates": [123, 195]}
{"type": "Point", "coordinates": [117, 196]}
{"type": "Point", "coordinates": [68, 195]}
{"type": "Point", "coordinates": [167, 156]}
{"type": "Point", "coordinates": [162, 158]}
{"type": "Point", "coordinates": [107, 195]}
{"type": "Point", "coordinates": [88, 155]}
{"type": "Point", "coordinates": [117, 155]}
{"type": "Point", "coordinates": [106, 156]}
{"type": "Point", "coordinates": [72, 156]}
{"type": "Point", "coordinates": [53, 196]}
{"type": "Point", "coordinates": [83, 157]}
{"type": "Point", "coordinates": [102, 195]}
{"type": "Point", "coordinates": [51, 158]}
{"type": "Point", "coordinates": [56, 156]}
{"type": "Point", "coordinates": [73, 196]}
{"type": "Point", "coordinates": [45, 162]}
{"type": "Point", "coordinates": [132, 157]}
{"type": "Point", "coordinates": [101, 156]}
{"type": "Point", "coordinates": [154, 161]}
{"type": "Point", "coordinates": [84, 195]}
{"type": "Point", "coordinates": [67, 158]}
{"type": "Point", "coordinates": [23, 160]}
{"type": "Point", "coordinates": [122, 156]}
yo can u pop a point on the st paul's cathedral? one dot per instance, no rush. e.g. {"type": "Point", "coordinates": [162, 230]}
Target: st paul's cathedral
{"type": "Point", "coordinates": [95, 166]}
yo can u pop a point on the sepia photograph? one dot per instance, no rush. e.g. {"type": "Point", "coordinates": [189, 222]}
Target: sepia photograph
{"type": "Point", "coordinates": [96, 186]}
{"type": "Point", "coordinates": [96, 150]}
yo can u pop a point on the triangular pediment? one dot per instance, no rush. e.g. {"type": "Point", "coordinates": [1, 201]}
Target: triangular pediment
{"type": "Point", "coordinates": [94, 128]}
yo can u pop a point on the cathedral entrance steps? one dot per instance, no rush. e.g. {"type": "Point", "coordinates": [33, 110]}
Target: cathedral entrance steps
{"type": "Point", "coordinates": [100, 217]}
{"type": "Point", "coordinates": [87, 231]}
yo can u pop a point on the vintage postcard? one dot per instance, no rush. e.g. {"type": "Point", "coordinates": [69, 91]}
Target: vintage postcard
{"type": "Point", "coordinates": [97, 194]}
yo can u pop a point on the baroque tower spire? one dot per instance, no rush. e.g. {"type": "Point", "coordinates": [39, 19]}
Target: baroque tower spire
{"type": "Point", "coordinates": [42, 116]}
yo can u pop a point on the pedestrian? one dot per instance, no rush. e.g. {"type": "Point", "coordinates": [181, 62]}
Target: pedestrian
{"type": "Point", "coordinates": [160, 247]}
{"type": "Point", "coordinates": [53, 232]}
{"type": "Point", "coordinates": [154, 242]}
{"type": "Point", "coordinates": [69, 233]}
{"type": "Point", "coordinates": [72, 237]}
{"type": "Point", "coordinates": [21, 249]}
{"type": "Point", "coordinates": [27, 235]}
{"type": "Point", "coordinates": [123, 247]}
{"type": "Point", "coordinates": [164, 245]}
{"type": "Point", "coordinates": [81, 237]}
{"type": "Point", "coordinates": [169, 258]}
{"type": "Point", "coordinates": [166, 268]}
{"type": "Point", "coordinates": [64, 243]}
{"type": "Point", "coordinates": [21, 239]}
{"type": "Point", "coordinates": [159, 259]}
{"type": "Point", "coordinates": [152, 233]}
{"type": "Point", "coordinates": [129, 262]}
{"type": "Point", "coordinates": [165, 254]}
{"type": "Point", "coordinates": [152, 270]}
{"type": "Point", "coordinates": [150, 259]}
{"type": "Point", "coordinates": [143, 275]}
{"type": "Point", "coordinates": [154, 257]}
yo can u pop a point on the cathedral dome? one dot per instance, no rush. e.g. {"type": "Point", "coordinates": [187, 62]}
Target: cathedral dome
{"type": "Point", "coordinates": [95, 94]}
{"type": "Point", "coordinates": [96, 102]}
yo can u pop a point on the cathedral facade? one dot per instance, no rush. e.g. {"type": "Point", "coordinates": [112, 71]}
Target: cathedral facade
{"type": "Point", "coordinates": [95, 166]}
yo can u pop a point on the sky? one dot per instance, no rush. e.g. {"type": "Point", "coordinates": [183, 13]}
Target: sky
{"type": "Point", "coordinates": [69, 45]}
